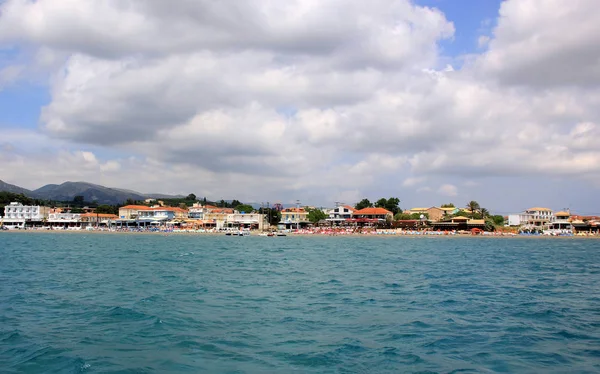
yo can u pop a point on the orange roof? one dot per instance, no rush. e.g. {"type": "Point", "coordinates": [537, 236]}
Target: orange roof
{"type": "Point", "coordinates": [99, 215]}
{"type": "Point", "coordinates": [169, 208]}
{"type": "Point", "coordinates": [210, 206]}
{"type": "Point", "coordinates": [300, 210]}
{"type": "Point", "coordinates": [222, 210]}
{"type": "Point", "coordinates": [371, 211]}
{"type": "Point", "coordinates": [135, 207]}
{"type": "Point", "coordinates": [539, 209]}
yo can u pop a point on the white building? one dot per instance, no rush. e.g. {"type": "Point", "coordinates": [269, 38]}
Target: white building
{"type": "Point", "coordinates": [246, 220]}
{"type": "Point", "coordinates": [17, 214]}
{"type": "Point", "coordinates": [340, 214]}
{"type": "Point", "coordinates": [57, 216]}
{"type": "Point", "coordinates": [533, 218]}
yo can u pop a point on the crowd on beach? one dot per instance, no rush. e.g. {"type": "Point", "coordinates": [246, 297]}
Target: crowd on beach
{"type": "Point", "coordinates": [323, 231]}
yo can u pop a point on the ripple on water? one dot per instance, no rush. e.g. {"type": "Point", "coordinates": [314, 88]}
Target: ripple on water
{"type": "Point", "coordinates": [142, 303]}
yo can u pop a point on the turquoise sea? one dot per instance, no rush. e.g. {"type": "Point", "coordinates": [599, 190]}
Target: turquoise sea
{"type": "Point", "coordinates": [127, 303]}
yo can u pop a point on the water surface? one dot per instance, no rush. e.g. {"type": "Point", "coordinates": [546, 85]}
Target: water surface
{"type": "Point", "coordinates": [126, 303]}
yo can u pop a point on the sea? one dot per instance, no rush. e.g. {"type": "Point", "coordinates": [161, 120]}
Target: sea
{"type": "Point", "coordinates": [153, 303]}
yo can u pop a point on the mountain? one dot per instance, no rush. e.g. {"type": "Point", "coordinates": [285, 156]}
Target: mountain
{"type": "Point", "coordinates": [162, 196]}
{"type": "Point", "coordinates": [12, 188]}
{"type": "Point", "coordinates": [90, 192]}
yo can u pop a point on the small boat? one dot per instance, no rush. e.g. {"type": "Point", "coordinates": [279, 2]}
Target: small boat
{"type": "Point", "coordinates": [281, 234]}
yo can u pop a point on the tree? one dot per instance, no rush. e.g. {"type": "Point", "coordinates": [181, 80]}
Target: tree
{"type": "Point", "coordinates": [484, 213]}
{"type": "Point", "coordinates": [364, 203]}
{"type": "Point", "coordinates": [498, 220]}
{"type": "Point", "coordinates": [222, 203]}
{"type": "Point", "coordinates": [191, 197]}
{"type": "Point", "coordinates": [402, 217]}
{"type": "Point", "coordinates": [381, 203]}
{"type": "Point", "coordinates": [107, 209]}
{"type": "Point", "coordinates": [447, 205]}
{"type": "Point", "coordinates": [244, 208]}
{"type": "Point", "coordinates": [473, 206]}
{"type": "Point", "coordinates": [273, 215]}
{"type": "Point", "coordinates": [315, 215]}
{"type": "Point", "coordinates": [183, 206]}
{"type": "Point", "coordinates": [235, 203]}
{"type": "Point", "coordinates": [78, 200]}
{"type": "Point", "coordinates": [390, 204]}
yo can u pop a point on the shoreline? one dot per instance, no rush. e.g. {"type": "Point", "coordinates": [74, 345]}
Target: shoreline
{"type": "Point", "coordinates": [305, 235]}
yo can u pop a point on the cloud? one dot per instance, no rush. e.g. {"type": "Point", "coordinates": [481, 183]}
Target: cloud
{"type": "Point", "coordinates": [10, 74]}
{"type": "Point", "coordinates": [332, 100]}
{"type": "Point", "coordinates": [413, 181]}
{"type": "Point", "coordinates": [448, 190]}
{"type": "Point", "coordinates": [545, 43]}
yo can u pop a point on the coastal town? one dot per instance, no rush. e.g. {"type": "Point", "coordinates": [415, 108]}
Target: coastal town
{"type": "Point", "coordinates": [363, 218]}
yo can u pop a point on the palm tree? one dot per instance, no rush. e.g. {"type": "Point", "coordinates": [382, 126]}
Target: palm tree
{"type": "Point", "coordinates": [473, 206]}
{"type": "Point", "coordinates": [484, 213]}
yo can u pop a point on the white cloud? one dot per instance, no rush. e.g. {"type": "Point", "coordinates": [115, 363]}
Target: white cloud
{"type": "Point", "coordinates": [546, 43]}
{"type": "Point", "coordinates": [413, 181]}
{"type": "Point", "coordinates": [325, 99]}
{"type": "Point", "coordinates": [448, 190]}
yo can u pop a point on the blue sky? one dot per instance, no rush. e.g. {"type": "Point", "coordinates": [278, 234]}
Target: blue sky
{"type": "Point", "coordinates": [294, 102]}
{"type": "Point", "coordinates": [471, 19]}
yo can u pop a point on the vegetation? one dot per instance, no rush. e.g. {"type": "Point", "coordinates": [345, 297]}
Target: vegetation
{"type": "Point", "coordinates": [9, 197]}
{"type": "Point", "coordinates": [390, 204]}
{"type": "Point", "coordinates": [273, 215]}
{"type": "Point", "coordinates": [315, 215]}
{"type": "Point", "coordinates": [107, 209]}
{"type": "Point", "coordinates": [447, 205]}
{"type": "Point", "coordinates": [244, 208]}
{"type": "Point", "coordinates": [473, 206]}
{"type": "Point", "coordinates": [410, 216]}
{"type": "Point", "coordinates": [364, 203]}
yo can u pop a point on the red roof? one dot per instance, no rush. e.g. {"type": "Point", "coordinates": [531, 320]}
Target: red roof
{"type": "Point", "coordinates": [371, 212]}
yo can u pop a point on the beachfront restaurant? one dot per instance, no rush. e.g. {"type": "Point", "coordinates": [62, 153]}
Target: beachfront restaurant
{"type": "Point", "coordinates": [458, 224]}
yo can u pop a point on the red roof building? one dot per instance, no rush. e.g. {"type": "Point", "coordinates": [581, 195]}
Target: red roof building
{"type": "Point", "coordinates": [373, 213]}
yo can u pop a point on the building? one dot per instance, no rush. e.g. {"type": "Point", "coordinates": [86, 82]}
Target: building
{"type": "Point", "coordinates": [130, 212]}
{"type": "Point", "coordinates": [533, 219]}
{"type": "Point", "coordinates": [340, 214]}
{"type": "Point", "coordinates": [253, 221]}
{"type": "Point", "coordinates": [59, 217]}
{"type": "Point", "coordinates": [19, 215]}
{"type": "Point", "coordinates": [372, 215]}
{"type": "Point", "coordinates": [294, 217]}
{"type": "Point", "coordinates": [98, 219]}
{"type": "Point", "coordinates": [459, 223]}
{"type": "Point", "coordinates": [561, 224]}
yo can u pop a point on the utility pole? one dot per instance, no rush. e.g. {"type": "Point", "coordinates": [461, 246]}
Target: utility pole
{"type": "Point", "coordinates": [298, 214]}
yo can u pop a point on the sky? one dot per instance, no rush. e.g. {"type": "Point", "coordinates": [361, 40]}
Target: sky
{"type": "Point", "coordinates": [430, 101]}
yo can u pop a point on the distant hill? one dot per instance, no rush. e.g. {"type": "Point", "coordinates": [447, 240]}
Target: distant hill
{"type": "Point", "coordinates": [90, 192]}
{"type": "Point", "coordinates": [13, 189]}
{"type": "Point", "coordinates": [162, 196]}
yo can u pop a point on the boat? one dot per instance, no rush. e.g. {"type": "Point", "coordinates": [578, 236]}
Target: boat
{"type": "Point", "coordinates": [281, 234]}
